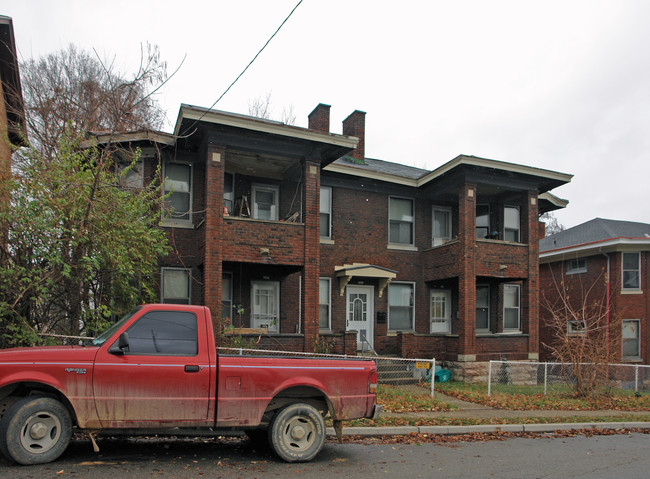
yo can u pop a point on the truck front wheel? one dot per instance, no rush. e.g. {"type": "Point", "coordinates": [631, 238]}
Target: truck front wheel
{"type": "Point", "coordinates": [35, 430]}
{"type": "Point", "coordinates": [297, 432]}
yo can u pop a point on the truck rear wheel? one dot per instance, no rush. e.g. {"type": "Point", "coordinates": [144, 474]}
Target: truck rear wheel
{"type": "Point", "coordinates": [35, 430]}
{"type": "Point", "coordinates": [297, 432]}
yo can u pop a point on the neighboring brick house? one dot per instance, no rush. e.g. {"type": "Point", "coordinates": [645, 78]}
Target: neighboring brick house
{"type": "Point", "coordinates": [601, 255]}
{"type": "Point", "coordinates": [12, 113]}
{"type": "Point", "coordinates": [294, 230]}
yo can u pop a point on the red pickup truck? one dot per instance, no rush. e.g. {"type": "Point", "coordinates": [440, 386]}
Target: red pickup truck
{"type": "Point", "coordinates": [157, 371]}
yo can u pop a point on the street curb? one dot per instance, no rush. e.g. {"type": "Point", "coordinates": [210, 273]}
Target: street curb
{"type": "Point", "coordinates": [485, 428]}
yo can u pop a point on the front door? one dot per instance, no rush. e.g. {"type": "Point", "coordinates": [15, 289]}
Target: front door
{"type": "Point", "coordinates": [440, 311]}
{"type": "Point", "coordinates": [360, 311]}
{"type": "Point", "coordinates": [266, 305]}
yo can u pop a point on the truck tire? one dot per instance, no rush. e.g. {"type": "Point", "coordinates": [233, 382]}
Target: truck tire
{"type": "Point", "coordinates": [35, 430]}
{"type": "Point", "coordinates": [297, 432]}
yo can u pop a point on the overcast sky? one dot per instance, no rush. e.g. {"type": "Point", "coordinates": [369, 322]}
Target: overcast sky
{"type": "Point", "coordinates": [561, 85]}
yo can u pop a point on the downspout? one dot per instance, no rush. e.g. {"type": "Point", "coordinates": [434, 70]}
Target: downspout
{"type": "Point", "coordinates": [607, 307]}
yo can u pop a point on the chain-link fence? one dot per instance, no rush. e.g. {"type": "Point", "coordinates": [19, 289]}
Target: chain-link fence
{"type": "Point", "coordinates": [390, 371]}
{"type": "Point", "coordinates": [512, 377]}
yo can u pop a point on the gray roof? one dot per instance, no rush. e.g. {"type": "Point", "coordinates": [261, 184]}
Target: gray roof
{"type": "Point", "coordinates": [381, 166]}
{"type": "Point", "coordinates": [593, 231]}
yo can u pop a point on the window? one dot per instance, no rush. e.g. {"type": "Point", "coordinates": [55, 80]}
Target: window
{"type": "Point", "coordinates": [131, 175]}
{"type": "Point", "coordinates": [175, 286]}
{"type": "Point", "coordinates": [511, 311]}
{"type": "Point", "coordinates": [228, 193]}
{"type": "Point", "coordinates": [482, 308]}
{"type": "Point", "coordinates": [482, 221]}
{"type": "Point", "coordinates": [178, 188]}
{"type": "Point", "coordinates": [511, 223]}
{"type": "Point", "coordinates": [400, 306]}
{"type": "Point", "coordinates": [441, 226]}
{"type": "Point", "coordinates": [576, 326]}
{"type": "Point", "coordinates": [325, 212]}
{"type": "Point", "coordinates": [401, 221]}
{"type": "Point", "coordinates": [631, 345]}
{"type": "Point", "coordinates": [226, 298]}
{"type": "Point", "coordinates": [324, 304]}
{"type": "Point", "coordinates": [164, 333]}
{"type": "Point", "coordinates": [575, 266]}
{"type": "Point", "coordinates": [631, 271]}
{"type": "Point", "coordinates": [265, 202]}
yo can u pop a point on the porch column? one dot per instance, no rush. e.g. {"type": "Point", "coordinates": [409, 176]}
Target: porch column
{"type": "Point", "coordinates": [530, 288]}
{"type": "Point", "coordinates": [213, 228]}
{"type": "Point", "coordinates": [467, 273]}
{"type": "Point", "coordinates": [311, 218]}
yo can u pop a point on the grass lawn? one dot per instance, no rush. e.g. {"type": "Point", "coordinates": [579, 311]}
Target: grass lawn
{"type": "Point", "coordinates": [409, 399]}
{"type": "Point", "coordinates": [530, 397]}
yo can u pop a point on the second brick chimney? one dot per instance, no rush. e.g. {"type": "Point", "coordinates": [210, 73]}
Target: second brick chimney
{"type": "Point", "coordinates": [355, 125]}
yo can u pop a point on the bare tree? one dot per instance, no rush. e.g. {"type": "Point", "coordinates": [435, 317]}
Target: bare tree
{"type": "Point", "coordinates": [582, 329]}
{"type": "Point", "coordinates": [74, 91]}
{"type": "Point", "coordinates": [552, 224]}
{"type": "Point", "coordinates": [260, 107]}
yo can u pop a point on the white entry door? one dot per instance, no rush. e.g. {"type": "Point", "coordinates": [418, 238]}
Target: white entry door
{"type": "Point", "coordinates": [360, 312]}
{"type": "Point", "coordinates": [266, 305]}
{"type": "Point", "coordinates": [440, 311]}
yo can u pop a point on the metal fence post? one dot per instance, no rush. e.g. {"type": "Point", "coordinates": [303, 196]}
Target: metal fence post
{"type": "Point", "coordinates": [433, 376]}
{"type": "Point", "coordinates": [490, 379]}
{"type": "Point", "coordinates": [636, 379]}
{"type": "Point", "coordinates": [545, 377]}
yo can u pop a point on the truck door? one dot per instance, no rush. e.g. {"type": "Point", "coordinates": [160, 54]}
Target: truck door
{"type": "Point", "coordinates": [162, 376]}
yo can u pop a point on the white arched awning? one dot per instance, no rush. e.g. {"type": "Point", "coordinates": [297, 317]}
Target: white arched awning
{"type": "Point", "coordinates": [363, 270]}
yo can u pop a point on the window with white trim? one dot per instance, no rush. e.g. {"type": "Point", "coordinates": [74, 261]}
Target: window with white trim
{"type": "Point", "coordinates": [511, 223]}
{"type": "Point", "coordinates": [576, 266]}
{"type": "Point", "coordinates": [401, 221]}
{"type": "Point", "coordinates": [511, 307]}
{"type": "Point", "coordinates": [631, 271]}
{"type": "Point", "coordinates": [483, 308]}
{"type": "Point", "coordinates": [576, 326]}
{"type": "Point", "coordinates": [178, 191]}
{"type": "Point", "coordinates": [401, 301]}
{"type": "Point", "coordinates": [175, 286]}
{"type": "Point", "coordinates": [324, 306]}
{"type": "Point", "coordinates": [631, 339]}
{"type": "Point", "coordinates": [325, 212]}
{"type": "Point", "coordinates": [266, 199]}
{"type": "Point", "coordinates": [441, 226]}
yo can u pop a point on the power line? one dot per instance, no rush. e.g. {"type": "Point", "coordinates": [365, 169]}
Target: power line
{"type": "Point", "coordinates": [244, 70]}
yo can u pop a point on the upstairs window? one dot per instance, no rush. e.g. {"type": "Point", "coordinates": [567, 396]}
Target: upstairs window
{"type": "Point", "coordinates": [401, 221]}
{"type": "Point", "coordinates": [228, 193]}
{"type": "Point", "coordinates": [441, 226]}
{"type": "Point", "coordinates": [265, 202]}
{"type": "Point", "coordinates": [325, 212]}
{"type": "Point", "coordinates": [178, 190]}
{"type": "Point", "coordinates": [511, 224]}
{"type": "Point", "coordinates": [482, 221]}
{"type": "Point", "coordinates": [632, 271]}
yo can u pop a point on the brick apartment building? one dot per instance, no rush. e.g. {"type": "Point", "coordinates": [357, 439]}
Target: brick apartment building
{"type": "Point", "coordinates": [295, 231]}
{"type": "Point", "coordinates": [601, 260]}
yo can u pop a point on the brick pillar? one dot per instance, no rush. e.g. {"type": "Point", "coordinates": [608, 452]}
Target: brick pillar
{"type": "Point", "coordinates": [213, 256]}
{"type": "Point", "coordinates": [530, 287]}
{"type": "Point", "coordinates": [311, 218]}
{"type": "Point", "coordinates": [467, 275]}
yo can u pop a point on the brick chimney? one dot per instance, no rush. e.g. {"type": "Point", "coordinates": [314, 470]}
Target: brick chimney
{"type": "Point", "coordinates": [355, 125]}
{"type": "Point", "coordinates": [319, 119]}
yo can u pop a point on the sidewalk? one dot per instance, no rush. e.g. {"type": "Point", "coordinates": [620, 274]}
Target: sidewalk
{"type": "Point", "coordinates": [479, 411]}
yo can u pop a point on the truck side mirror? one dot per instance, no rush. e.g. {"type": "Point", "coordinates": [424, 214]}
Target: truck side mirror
{"type": "Point", "coordinates": [122, 345]}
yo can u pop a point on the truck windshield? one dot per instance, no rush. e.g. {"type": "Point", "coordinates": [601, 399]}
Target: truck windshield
{"type": "Point", "coordinates": [101, 339]}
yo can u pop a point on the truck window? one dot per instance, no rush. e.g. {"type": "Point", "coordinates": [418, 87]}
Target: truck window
{"type": "Point", "coordinates": [171, 333]}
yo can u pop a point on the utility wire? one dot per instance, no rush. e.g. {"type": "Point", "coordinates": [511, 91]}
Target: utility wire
{"type": "Point", "coordinates": [244, 70]}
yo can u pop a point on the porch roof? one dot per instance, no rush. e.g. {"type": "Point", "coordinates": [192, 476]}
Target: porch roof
{"type": "Point", "coordinates": [364, 270]}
